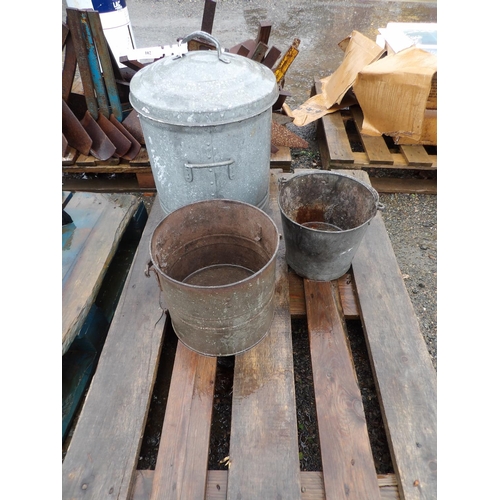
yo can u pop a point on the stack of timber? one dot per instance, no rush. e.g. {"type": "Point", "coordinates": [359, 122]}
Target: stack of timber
{"type": "Point", "coordinates": [343, 146]}
{"type": "Point", "coordinates": [263, 460]}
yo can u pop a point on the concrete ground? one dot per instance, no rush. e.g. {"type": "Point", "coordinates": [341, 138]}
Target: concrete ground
{"type": "Point", "coordinates": [319, 24]}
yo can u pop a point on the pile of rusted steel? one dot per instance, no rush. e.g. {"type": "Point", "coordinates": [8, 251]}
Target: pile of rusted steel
{"type": "Point", "coordinates": [96, 112]}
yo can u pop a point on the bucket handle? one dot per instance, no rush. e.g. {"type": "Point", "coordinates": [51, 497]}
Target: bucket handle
{"type": "Point", "coordinates": [380, 206]}
{"type": "Point", "coordinates": [210, 38]}
{"type": "Point", "coordinates": [147, 273]}
{"type": "Point", "coordinates": [188, 172]}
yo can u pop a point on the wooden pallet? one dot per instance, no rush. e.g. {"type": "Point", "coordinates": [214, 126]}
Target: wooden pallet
{"type": "Point", "coordinates": [263, 459]}
{"type": "Point", "coordinates": [140, 167]}
{"type": "Point", "coordinates": [97, 249]}
{"type": "Point", "coordinates": [342, 145]}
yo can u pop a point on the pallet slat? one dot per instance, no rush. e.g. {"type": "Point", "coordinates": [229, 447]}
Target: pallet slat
{"type": "Point", "coordinates": [375, 146]}
{"type": "Point", "coordinates": [415, 155]}
{"type": "Point", "coordinates": [183, 452]}
{"type": "Point", "coordinates": [264, 450]}
{"type": "Point", "coordinates": [394, 185]}
{"type": "Point", "coordinates": [311, 485]}
{"type": "Point", "coordinates": [407, 385]}
{"type": "Point", "coordinates": [348, 467]}
{"type": "Point", "coordinates": [76, 163]}
{"type": "Point", "coordinates": [348, 297]}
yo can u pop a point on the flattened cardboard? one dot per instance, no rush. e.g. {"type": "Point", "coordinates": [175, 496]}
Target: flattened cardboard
{"type": "Point", "coordinates": [359, 52]}
{"type": "Point", "coordinates": [393, 93]}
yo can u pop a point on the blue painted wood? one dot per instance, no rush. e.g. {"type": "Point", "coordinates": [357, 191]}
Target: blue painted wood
{"type": "Point", "coordinates": [106, 65]}
{"type": "Point", "coordinates": [85, 212]}
{"type": "Point", "coordinates": [95, 68]}
{"type": "Point", "coordinates": [79, 364]}
{"type": "Point", "coordinates": [80, 360]}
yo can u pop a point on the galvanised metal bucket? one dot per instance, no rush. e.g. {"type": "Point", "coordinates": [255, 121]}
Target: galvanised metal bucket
{"type": "Point", "coordinates": [216, 262]}
{"type": "Point", "coordinates": [325, 216]}
{"type": "Point", "coordinates": [206, 119]}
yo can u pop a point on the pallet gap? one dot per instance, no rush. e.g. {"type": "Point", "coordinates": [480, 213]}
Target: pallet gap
{"type": "Point", "coordinates": [158, 404]}
{"type": "Point", "coordinates": [352, 133]}
{"type": "Point", "coordinates": [220, 431]}
{"type": "Point", "coordinates": [307, 421]}
{"type": "Point", "coordinates": [373, 415]}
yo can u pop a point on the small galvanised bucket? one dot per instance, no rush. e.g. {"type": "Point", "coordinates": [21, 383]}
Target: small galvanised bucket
{"type": "Point", "coordinates": [325, 216]}
{"type": "Point", "coordinates": [216, 263]}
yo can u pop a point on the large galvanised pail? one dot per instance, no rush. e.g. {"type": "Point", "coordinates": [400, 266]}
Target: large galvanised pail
{"type": "Point", "coordinates": [216, 262]}
{"type": "Point", "coordinates": [206, 119]}
{"type": "Point", "coordinates": [325, 216]}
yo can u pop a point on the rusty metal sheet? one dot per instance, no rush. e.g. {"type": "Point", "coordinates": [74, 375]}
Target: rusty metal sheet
{"type": "Point", "coordinates": [121, 143]}
{"type": "Point", "coordinates": [102, 148]}
{"type": "Point", "coordinates": [135, 146]}
{"type": "Point", "coordinates": [74, 131]}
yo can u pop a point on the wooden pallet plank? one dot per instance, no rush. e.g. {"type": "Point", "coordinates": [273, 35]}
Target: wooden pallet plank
{"type": "Point", "coordinates": [102, 458]}
{"type": "Point", "coordinates": [395, 185]}
{"type": "Point", "coordinates": [399, 162]}
{"type": "Point", "coordinates": [375, 147]}
{"type": "Point", "coordinates": [347, 291]}
{"type": "Point", "coordinates": [264, 454]}
{"type": "Point", "coordinates": [348, 467]}
{"type": "Point", "coordinates": [115, 185]}
{"type": "Point", "coordinates": [281, 158]}
{"type": "Point", "coordinates": [415, 155]}
{"type": "Point", "coordinates": [407, 385]}
{"type": "Point", "coordinates": [182, 461]}
{"type": "Point", "coordinates": [140, 164]}
{"type": "Point", "coordinates": [335, 136]}
{"type": "Point", "coordinates": [89, 244]}
{"type": "Point", "coordinates": [311, 485]}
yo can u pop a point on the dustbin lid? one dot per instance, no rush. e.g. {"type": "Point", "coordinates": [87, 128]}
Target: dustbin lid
{"type": "Point", "coordinates": [203, 87]}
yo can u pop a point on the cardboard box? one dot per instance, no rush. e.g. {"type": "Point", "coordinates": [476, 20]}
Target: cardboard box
{"type": "Point", "coordinates": [393, 93]}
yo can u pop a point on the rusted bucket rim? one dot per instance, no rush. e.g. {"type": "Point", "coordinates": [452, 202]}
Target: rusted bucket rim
{"type": "Point", "coordinates": [378, 205]}
{"type": "Point", "coordinates": [269, 262]}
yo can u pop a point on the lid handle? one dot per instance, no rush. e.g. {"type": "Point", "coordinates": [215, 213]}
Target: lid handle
{"type": "Point", "coordinates": [210, 38]}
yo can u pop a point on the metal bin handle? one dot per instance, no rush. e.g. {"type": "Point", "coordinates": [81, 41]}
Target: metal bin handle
{"type": "Point", "coordinates": [188, 172]}
{"type": "Point", "coordinates": [210, 38]}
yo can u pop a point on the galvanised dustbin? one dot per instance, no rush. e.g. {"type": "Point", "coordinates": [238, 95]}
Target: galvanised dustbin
{"type": "Point", "coordinates": [206, 118]}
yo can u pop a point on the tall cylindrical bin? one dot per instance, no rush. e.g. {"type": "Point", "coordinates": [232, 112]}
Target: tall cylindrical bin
{"type": "Point", "coordinates": [206, 119]}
